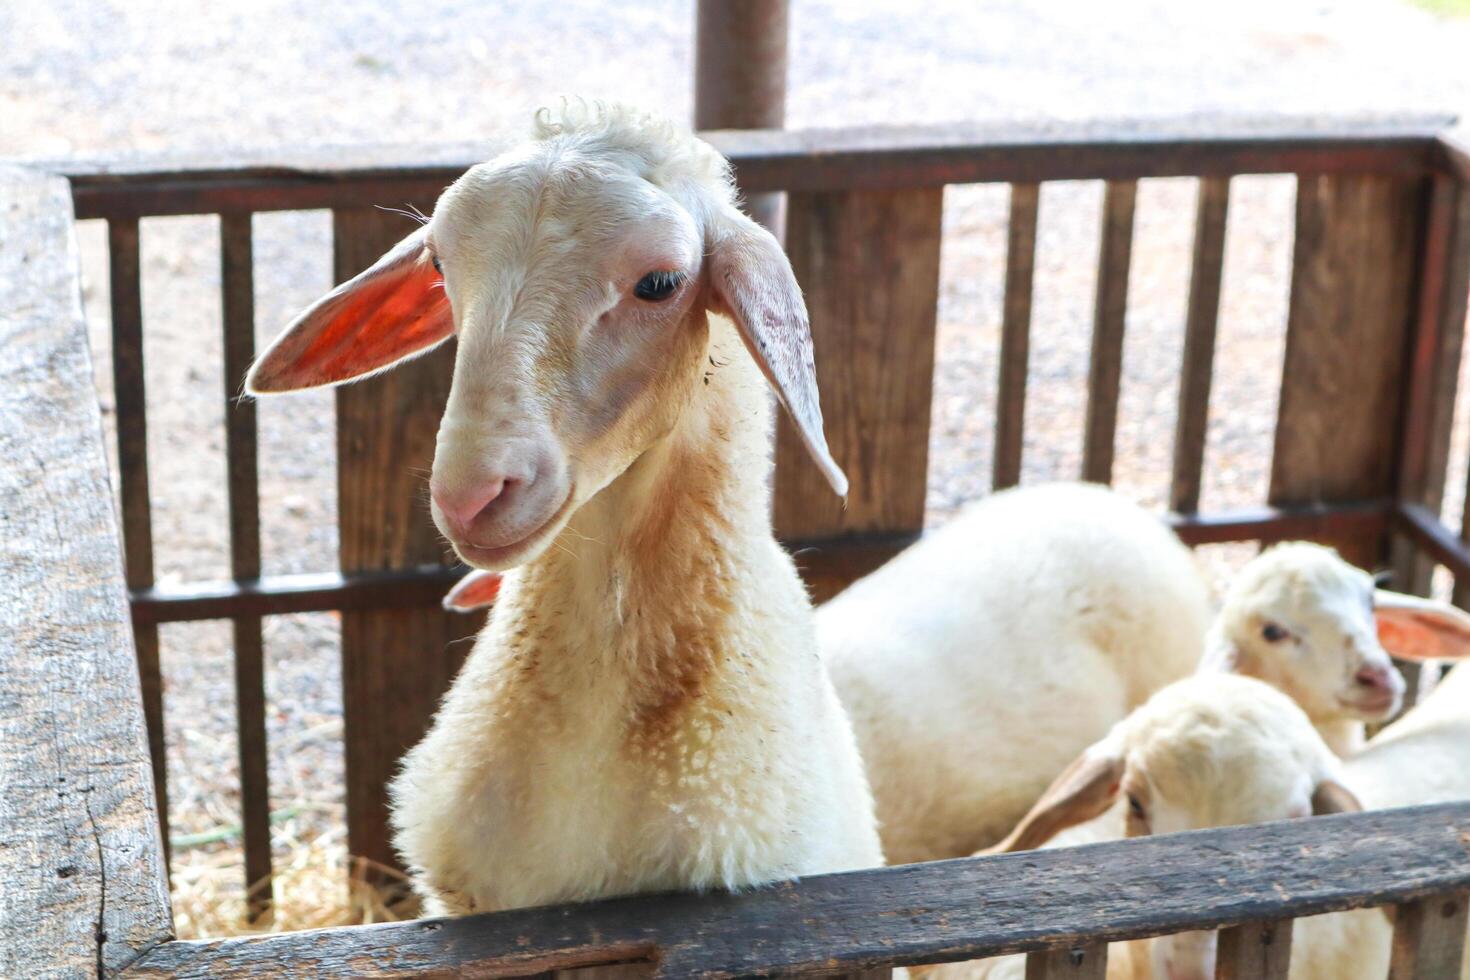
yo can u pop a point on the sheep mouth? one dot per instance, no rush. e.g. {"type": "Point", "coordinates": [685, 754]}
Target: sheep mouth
{"type": "Point", "coordinates": [502, 557]}
{"type": "Point", "coordinates": [1371, 707]}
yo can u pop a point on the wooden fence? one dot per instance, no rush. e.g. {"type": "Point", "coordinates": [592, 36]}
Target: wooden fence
{"type": "Point", "coordinates": [1380, 275]}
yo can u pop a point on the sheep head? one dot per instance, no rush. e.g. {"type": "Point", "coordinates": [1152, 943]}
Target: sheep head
{"type": "Point", "coordinates": [577, 271]}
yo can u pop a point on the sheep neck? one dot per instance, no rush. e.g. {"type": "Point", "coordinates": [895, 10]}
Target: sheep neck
{"type": "Point", "coordinates": [1344, 736]}
{"type": "Point", "coordinates": [652, 567]}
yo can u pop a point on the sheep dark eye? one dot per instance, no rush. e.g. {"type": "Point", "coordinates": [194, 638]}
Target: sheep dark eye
{"type": "Point", "coordinates": [438, 266]}
{"type": "Point", "coordinates": [1135, 808]}
{"type": "Point", "coordinates": [657, 286]}
{"type": "Point", "coordinates": [1273, 633]}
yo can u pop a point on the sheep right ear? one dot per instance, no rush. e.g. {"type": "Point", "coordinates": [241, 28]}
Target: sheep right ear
{"type": "Point", "coordinates": [476, 590]}
{"type": "Point", "coordinates": [753, 284]}
{"type": "Point", "coordinates": [1414, 628]}
{"type": "Point", "coordinates": [1084, 790]}
{"type": "Point", "coordinates": [394, 310]}
{"type": "Point", "coordinates": [1330, 796]}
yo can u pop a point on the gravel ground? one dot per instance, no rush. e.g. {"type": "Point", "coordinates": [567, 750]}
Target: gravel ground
{"type": "Point", "coordinates": [104, 77]}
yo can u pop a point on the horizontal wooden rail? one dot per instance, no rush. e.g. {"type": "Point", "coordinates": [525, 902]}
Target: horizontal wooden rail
{"type": "Point", "coordinates": [922, 913]}
{"type": "Point", "coordinates": [883, 158]}
{"type": "Point", "coordinates": [1430, 533]}
{"type": "Point", "coordinates": [845, 558]}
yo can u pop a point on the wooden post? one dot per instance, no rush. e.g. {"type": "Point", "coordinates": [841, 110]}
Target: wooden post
{"type": "Point", "coordinates": [396, 664]}
{"type": "Point", "coordinates": [1085, 961]}
{"type": "Point", "coordinates": [868, 263]}
{"type": "Point", "coordinates": [740, 76]}
{"type": "Point", "coordinates": [1429, 938]}
{"type": "Point", "coordinates": [1353, 283]}
{"type": "Point", "coordinates": [1254, 951]}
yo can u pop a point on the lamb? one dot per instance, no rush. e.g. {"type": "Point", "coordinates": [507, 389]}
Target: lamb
{"type": "Point", "coordinates": [1221, 750]}
{"type": "Point", "coordinates": [1300, 618]}
{"type": "Point", "coordinates": [646, 709]}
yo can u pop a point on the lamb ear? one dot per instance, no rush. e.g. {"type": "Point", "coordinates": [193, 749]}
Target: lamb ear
{"type": "Point", "coordinates": [1330, 796]}
{"type": "Point", "coordinates": [1414, 628]}
{"type": "Point", "coordinates": [753, 284]}
{"type": "Point", "coordinates": [395, 309]}
{"type": "Point", "coordinates": [1084, 790]}
{"type": "Point", "coordinates": [476, 590]}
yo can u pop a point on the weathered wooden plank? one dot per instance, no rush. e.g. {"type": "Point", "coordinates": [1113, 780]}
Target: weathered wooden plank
{"type": "Point", "coordinates": [1434, 363]}
{"type": "Point", "coordinates": [1452, 152]}
{"type": "Point", "coordinates": [1429, 938]}
{"type": "Point", "coordinates": [1254, 951]}
{"type": "Point", "coordinates": [1015, 336]}
{"type": "Point", "coordinates": [1088, 961]}
{"type": "Point", "coordinates": [1354, 277]}
{"type": "Point", "coordinates": [84, 882]}
{"type": "Point", "coordinates": [130, 397]}
{"type": "Point", "coordinates": [921, 913]}
{"type": "Point", "coordinates": [385, 446]}
{"type": "Point", "coordinates": [1105, 366]}
{"type": "Point", "coordinates": [1201, 317]}
{"type": "Point", "coordinates": [874, 158]}
{"type": "Point", "coordinates": [869, 266]}
{"type": "Point", "coordinates": [238, 301]}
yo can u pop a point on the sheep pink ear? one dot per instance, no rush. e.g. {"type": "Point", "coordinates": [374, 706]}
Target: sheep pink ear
{"type": "Point", "coordinates": [476, 590]}
{"type": "Point", "coordinates": [1084, 790]}
{"type": "Point", "coordinates": [1414, 628]}
{"type": "Point", "coordinates": [753, 284]}
{"type": "Point", "coordinates": [395, 309]}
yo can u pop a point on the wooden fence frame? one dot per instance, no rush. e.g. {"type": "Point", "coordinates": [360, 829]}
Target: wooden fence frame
{"type": "Point", "coordinates": [81, 846]}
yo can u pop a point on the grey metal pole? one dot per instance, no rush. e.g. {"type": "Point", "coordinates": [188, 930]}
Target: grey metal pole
{"type": "Point", "coordinates": [740, 77]}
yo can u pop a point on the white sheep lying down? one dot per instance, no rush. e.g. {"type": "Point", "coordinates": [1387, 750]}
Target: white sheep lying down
{"type": "Point", "coordinates": [1219, 750]}
{"type": "Point", "coordinates": [978, 662]}
{"type": "Point", "coordinates": [646, 709]}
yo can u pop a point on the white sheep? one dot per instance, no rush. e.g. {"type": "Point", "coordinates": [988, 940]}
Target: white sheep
{"type": "Point", "coordinates": [1220, 750]}
{"type": "Point", "coordinates": [979, 661]}
{"type": "Point", "coordinates": [646, 708]}
{"type": "Point", "coordinates": [1300, 618]}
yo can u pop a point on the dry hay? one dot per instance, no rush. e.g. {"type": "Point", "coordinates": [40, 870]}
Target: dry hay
{"type": "Point", "coordinates": [317, 885]}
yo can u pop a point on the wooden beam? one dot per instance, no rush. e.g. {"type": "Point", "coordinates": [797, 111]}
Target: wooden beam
{"type": "Point", "coordinates": [875, 360]}
{"type": "Point", "coordinates": [941, 911]}
{"type": "Point", "coordinates": [1193, 419]}
{"type": "Point", "coordinates": [1015, 336]}
{"type": "Point", "coordinates": [1254, 951]}
{"type": "Point", "coordinates": [1110, 313]}
{"type": "Point", "coordinates": [1429, 938]}
{"type": "Point", "coordinates": [868, 158]}
{"type": "Point", "coordinates": [1354, 278]}
{"type": "Point", "coordinates": [80, 851]}
{"type": "Point", "coordinates": [740, 76]}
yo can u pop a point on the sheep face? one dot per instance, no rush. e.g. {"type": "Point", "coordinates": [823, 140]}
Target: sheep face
{"type": "Point", "coordinates": [577, 272]}
{"type": "Point", "coordinates": [582, 329]}
{"type": "Point", "coordinates": [1212, 750]}
{"type": "Point", "coordinates": [1302, 619]}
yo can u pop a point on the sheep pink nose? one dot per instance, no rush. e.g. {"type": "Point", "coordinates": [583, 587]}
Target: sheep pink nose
{"type": "Point", "coordinates": [1374, 678]}
{"type": "Point", "coordinates": [463, 505]}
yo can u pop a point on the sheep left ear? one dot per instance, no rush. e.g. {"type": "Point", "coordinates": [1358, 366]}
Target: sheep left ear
{"type": "Point", "coordinates": [753, 284]}
{"type": "Point", "coordinates": [1330, 796]}
{"type": "Point", "coordinates": [1084, 790]}
{"type": "Point", "coordinates": [1414, 628]}
{"type": "Point", "coordinates": [394, 310]}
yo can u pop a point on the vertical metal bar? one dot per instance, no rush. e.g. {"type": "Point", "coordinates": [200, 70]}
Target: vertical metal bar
{"type": "Point", "coordinates": [1254, 951]}
{"type": "Point", "coordinates": [238, 294]}
{"type": "Point", "coordinates": [1429, 938]}
{"type": "Point", "coordinates": [740, 77]}
{"type": "Point", "coordinates": [1015, 336]}
{"type": "Point", "coordinates": [1105, 368]}
{"type": "Point", "coordinates": [132, 451]}
{"type": "Point", "coordinates": [1201, 318]}
{"type": "Point", "coordinates": [1085, 961]}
